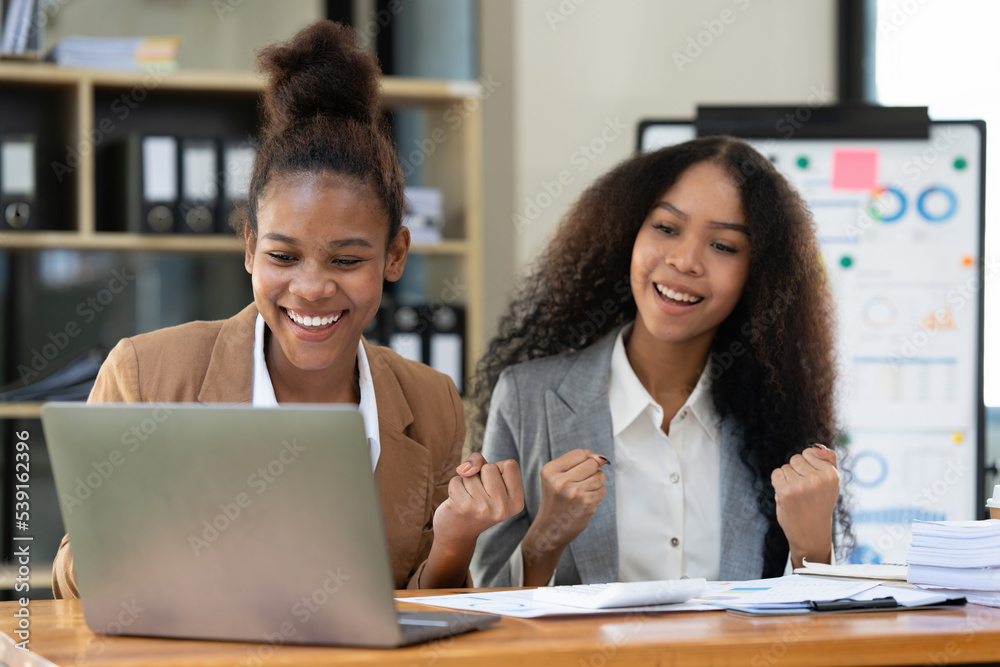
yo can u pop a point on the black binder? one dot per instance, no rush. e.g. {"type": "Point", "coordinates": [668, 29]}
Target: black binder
{"type": "Point", "coordinates": [445, 341]}
{"type": "Point", "coordinates": [147, 168]}
{"type": "Point", "coordinates": [200, 175]}
{"type": "Point", "coordinates": [18, 182]}
{"type": "Point", "coordinates": [407, 337]}
{"type": "Point", "coordinates": [237, 162]}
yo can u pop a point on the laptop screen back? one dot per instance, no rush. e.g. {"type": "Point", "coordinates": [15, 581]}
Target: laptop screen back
{"type": "Point", "coordinates": [223, 522]}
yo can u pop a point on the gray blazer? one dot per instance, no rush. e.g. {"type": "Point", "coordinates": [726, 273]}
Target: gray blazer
{"type": "Point", "coordinates": [544, 408]}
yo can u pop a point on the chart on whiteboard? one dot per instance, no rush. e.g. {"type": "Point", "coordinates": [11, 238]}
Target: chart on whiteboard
{"type": "Point", "coordinates": [899, 228]}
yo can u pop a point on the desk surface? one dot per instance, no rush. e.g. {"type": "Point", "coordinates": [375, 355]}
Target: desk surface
{"type": "Point", "coordinates": [961, 636]}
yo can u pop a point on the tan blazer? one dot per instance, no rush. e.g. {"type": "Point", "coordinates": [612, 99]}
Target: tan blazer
{"type": "Point", "coordinates": [421, 423]}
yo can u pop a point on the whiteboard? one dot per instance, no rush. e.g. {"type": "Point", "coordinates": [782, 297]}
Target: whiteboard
{"type": "Point", "coordinates": [900, 225]}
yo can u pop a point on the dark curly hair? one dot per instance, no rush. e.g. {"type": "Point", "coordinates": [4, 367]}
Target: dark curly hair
{"type": "Point", "coordinates": [779, 393]}
{"type": "Point", "coordinates": [322, 114]}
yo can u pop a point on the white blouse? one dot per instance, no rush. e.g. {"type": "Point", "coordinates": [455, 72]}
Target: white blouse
{"type": "Point", "coordinates": [666, 487]}
{"type": "Point", "coordinates": [263, 390]}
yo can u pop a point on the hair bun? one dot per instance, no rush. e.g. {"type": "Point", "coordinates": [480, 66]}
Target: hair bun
{"type": "Point", "coordinates": [321, 70]}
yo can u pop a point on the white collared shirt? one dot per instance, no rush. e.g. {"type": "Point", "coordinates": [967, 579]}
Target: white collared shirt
{"type": "Point", "coordinates": [666, 486]}
{"type": "Point", "coordinates": [263, 390]}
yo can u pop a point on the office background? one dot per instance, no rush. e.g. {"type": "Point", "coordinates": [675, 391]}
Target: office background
{"type": "Point", "coordinates": [563, 85]}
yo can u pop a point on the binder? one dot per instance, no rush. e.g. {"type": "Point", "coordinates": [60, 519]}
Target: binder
{"type": "Point", "coordinates": [237, 160]}
{"type": "Point", "coordinates": [446, 341]}
{"type": "Point", "coordinates": [430, 334]}
{"type": "Point", "coordinates": [198, 208]}
{"type": "Point", "coordinates": [406, 338]}
{"type": "Point", "coordinates": [18, 180]}
{"type": "Point", "coordinates": [149, 167]}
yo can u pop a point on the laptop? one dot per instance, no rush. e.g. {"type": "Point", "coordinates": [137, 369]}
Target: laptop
{"type": "Point", "coordinates": [226, 522]}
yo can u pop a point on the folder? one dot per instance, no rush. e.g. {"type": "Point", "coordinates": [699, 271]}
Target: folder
{"type": "Point", "coordinates": [237, 160]}
{"type": "Point", "coordinates": [406, 338]}
{"type": "Point", "coordinates": [446, 341]}
{"type": "Point", "coordinates": [18, 179]}
{"type": "Point", "coordinates": [199, 203]}
{"type": "Point", "coordinates": [147, 167]}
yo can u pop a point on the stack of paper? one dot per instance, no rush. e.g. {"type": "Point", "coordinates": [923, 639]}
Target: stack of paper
{"type": "Point", "coordinates": [126, 53]}
{"type": "Point", "coordinates": [962, 556]}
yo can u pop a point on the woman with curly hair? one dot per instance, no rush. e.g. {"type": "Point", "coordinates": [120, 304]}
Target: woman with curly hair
{"type": "Point", "coordinates": [323, 230]}
{"type": "Point", "coordinates": [661, 378]}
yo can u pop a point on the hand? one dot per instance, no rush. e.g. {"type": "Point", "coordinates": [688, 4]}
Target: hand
{"type": "Point", "coordinates": [572, 488]}
{"type": "Point", "coordinates": [482, 495]}
{"type": "Point", "coordinates": [805, 493]}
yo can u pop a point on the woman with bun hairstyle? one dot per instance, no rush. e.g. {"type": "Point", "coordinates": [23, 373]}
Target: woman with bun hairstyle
{"type": "Point", "coordinates": [661, 377]}
{"type": "Point", "coordinates": [323, 230]}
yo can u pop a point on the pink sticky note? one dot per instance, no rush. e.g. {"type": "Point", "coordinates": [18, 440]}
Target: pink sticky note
{"type": "Point", "coordinates": [855, 170]}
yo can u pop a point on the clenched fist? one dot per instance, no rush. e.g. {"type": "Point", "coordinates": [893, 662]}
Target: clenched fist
{"type": "Point", "coordinates": [572, 487]}
{"type": "Point", "coordinates": [805, 493]}
{"type": "Point", "coordinates": [484, 494]}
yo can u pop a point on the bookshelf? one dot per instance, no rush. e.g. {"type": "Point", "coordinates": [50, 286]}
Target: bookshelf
{"type": "Point", "coordinates": [75, 112]}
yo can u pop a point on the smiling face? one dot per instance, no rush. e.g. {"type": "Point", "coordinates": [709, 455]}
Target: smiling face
{"type": "Point", "coordinates": [691, 258]}
{"type": "Point", "coordinates": [317, 265]}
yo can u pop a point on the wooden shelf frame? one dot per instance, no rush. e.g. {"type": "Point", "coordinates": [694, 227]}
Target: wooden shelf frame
{"type": "Point", "coordinates": [185, 243]}
{"type": "Point", "coordinates": [20, 410]}
{"type": "Point", "coordinates": [396, 91]}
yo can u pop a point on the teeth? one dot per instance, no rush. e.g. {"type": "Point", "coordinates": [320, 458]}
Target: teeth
{"type": "Point", "coordinates": [307, 321]}
{"type": "Point", "coordinates": [677, 296]}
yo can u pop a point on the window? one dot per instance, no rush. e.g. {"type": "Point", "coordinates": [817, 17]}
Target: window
{"type": "Point", "coordinates": [946, 55]}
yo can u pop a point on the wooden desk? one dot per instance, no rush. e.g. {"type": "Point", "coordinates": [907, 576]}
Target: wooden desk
{"type": "Point", "coordinates": [962, 636]}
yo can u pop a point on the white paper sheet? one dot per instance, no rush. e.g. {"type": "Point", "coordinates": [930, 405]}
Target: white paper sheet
{"type": "Point", "coordinates": [791, 590]}
{"type": "Point", "coordinates": [520, 604]}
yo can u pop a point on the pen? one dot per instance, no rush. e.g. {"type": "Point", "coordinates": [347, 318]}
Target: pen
{"type": "Point", "coordinates": [846, 604]}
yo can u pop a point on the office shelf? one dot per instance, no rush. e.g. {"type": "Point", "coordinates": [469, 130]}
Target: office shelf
{"type": "Point", "coordinates": [85, 115]}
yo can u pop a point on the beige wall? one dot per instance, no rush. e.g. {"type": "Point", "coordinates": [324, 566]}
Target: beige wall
{"type": "Point", "coordinates": [218, 34]}
{"type": "Point", "coordinates": [586, 67]}
{"type": "Point", "coordinates": [497, 57]}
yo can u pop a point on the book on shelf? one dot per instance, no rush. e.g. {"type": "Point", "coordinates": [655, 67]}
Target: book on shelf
{"type": "Point", "coordinates": [119, 53]}
{"type": "Point", "coordinates": [17, 26]}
